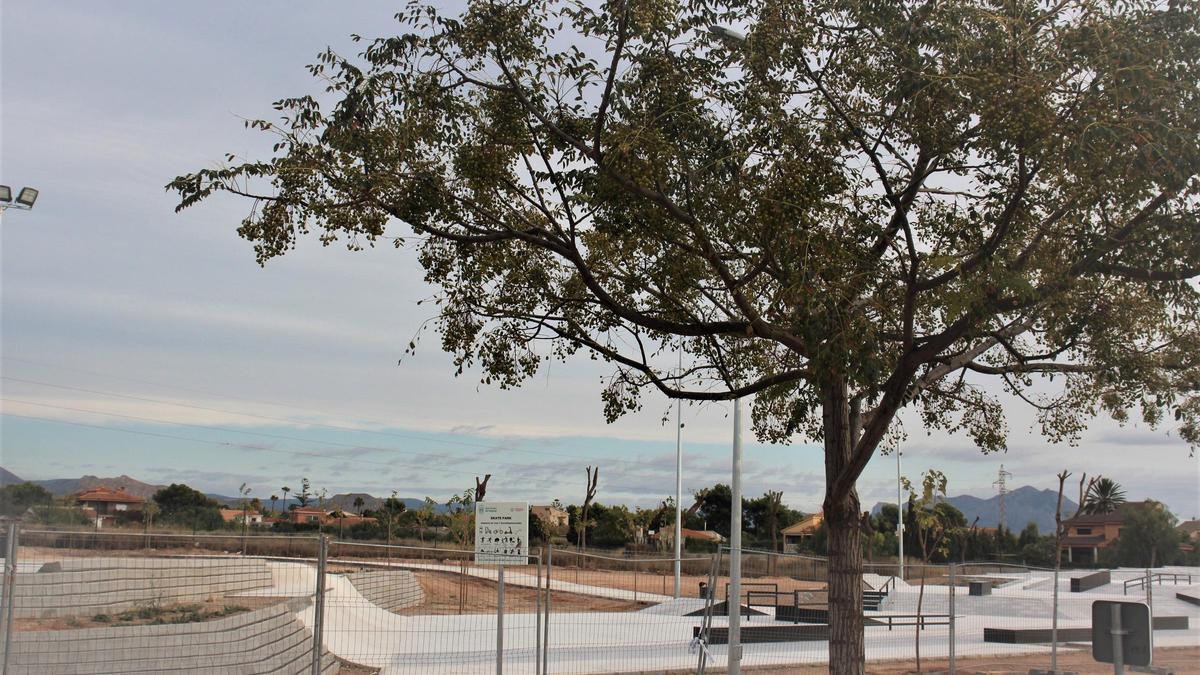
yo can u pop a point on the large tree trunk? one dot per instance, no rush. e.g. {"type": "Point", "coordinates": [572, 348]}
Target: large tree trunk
{"type": "Point", "coordinates": [846, 650]}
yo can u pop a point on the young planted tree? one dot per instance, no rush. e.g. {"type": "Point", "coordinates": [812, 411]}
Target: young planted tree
{"type": "Point", "coordinates": [589, 495]}
{"type": "Point", "coordinates": [423, 515]}
{"type": "Point", "coordinates": [858, 208]}
{"type": "Point", "coordinates": [481, 487]}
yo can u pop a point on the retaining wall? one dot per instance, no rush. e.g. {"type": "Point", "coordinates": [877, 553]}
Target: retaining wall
{"type": "Point", "coordinates": [268, 640]}
{"type": "Point", "coordinates": [89, 586]}
{"type": "Point", "coordinates": [389, 589]}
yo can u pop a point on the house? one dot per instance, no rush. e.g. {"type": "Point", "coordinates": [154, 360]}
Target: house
{"type": "Point", "coordinates": [1190, 530]}
{"type": "Point", "coordinates": [1088, 534]}
{"type": "Point", "coordinates": [553, 518]}
{"type": "Point", "coordinates": [303, 515]}
{"type": "Point", "coordinates": [700, 535]}
{"type": "Point", "coordinates": [343, 520]}
{"type": "Point", "coordinates": [235, 516]}
{"type": "Point", "coordinates": [797, 532]}
{"type": "Point", "coordinates": [105, 505]}
{"type": "Point", "coordinates": [665, 538]}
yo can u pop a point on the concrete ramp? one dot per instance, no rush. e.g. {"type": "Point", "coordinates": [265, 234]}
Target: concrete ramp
{"type": "Point", "coordinates": [389, 589]}
{"type": "Point", "coordinates": [88, 586]}
{"type": "Point", "coordinates": [268, 640]}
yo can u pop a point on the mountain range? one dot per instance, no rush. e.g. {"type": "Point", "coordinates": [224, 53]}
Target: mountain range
{"type": "Point", "coordinates": [1022, 506]}
{"type": "Point", "coordinates": [61, 487]}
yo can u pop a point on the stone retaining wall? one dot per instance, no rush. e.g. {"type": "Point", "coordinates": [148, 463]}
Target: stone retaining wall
{"type": "Point", "coordinates": [89, 586]}
{"type": "Point", "coordinates": [268, 640]}
{"type": "Point", "coordinates": [389, 589]}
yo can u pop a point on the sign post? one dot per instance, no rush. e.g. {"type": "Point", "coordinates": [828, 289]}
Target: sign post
{"type": "Point", "coordinates": [1121, 634]}
{"type": "Point", "coordinates": [501, 538]}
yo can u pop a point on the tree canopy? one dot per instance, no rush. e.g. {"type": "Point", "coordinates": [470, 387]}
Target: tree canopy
{"type": "Point", "coordinates": [860, 207]}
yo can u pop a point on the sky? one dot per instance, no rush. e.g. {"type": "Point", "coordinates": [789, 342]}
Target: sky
{"type": "Point", "coordinates": [138, 341]}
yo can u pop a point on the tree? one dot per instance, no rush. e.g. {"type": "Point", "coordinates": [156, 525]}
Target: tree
{"type": "Point", "coordinates": [285, 489]}
{"type": "Point", "coordinates": [860, 208]}
{"type": "Point", "coordinates": [149, 510]}
{"type": "Point", "coordinates": [392, 508]}
{"type": "Point", "coordinates": [1104, 496]}
{"type": "Point", "coordinates": [423, 515]}
{"type": "Point", "coordinates": [358, 504]}
{"type": "Point", "coordinates": [460, 515]}
{"type": "Point", "coordinates": [275, 498]}
{"type": "Point", "coordinates": [17, 498]}
{"type": "Point", "coordinates": [305, 495]}
{"type": "Point", "coordinates": [244, 492]}
{"type": "Point", "coordinates": [1148, 537]}
{"type": "Point", "coordinates": [934, 522]}
{"type": "Point", "coordinates": [481, 487]}
{"type": "Point", "coordinates": [584, 521]}
{"type": "Point", "coordinates": [183, 505]}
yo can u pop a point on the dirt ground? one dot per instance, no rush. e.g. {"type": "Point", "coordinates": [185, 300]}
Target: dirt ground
{"type": "Point", "coordinates": [689, 585]}
{"type": "Point", "coordinates": [1180, 659]}
{"type": "Point", "coordinates": [185, 612]}
{"type": "Point", "coordinates": [443, 592]}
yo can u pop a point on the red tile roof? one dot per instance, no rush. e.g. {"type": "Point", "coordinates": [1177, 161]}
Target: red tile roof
{"type": "Point", "coordinates": [107, 495]}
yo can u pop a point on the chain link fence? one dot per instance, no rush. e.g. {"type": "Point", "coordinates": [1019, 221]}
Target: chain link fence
{"type": "Point", "coordinates": [123, 602]}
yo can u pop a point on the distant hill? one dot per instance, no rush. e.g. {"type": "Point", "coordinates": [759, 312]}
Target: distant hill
{"type": "Point", "coordinates": [61, 487]}
{"type": "Point", "coordinates": [1022, 506]}
{"type": "Point", "coordinates": [370, 502]}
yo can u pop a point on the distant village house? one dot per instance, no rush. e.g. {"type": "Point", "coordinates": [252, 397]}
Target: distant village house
{"type": "Point", "coordinates": [253, 518]}
{"type": "Point", "coordinates": [554, 519]}
{"type": "Point", "coordinates": [796, 533]}
{"type": "Point", "coordinates": [1090, 533]}
{"type": "Point", "coordinates": [105, 505]}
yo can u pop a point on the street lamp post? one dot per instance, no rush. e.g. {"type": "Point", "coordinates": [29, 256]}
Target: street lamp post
{"type": "Point", "coordinates": [733, 599]}
{"type": "Point", "coordinates": [678, 486]}
{"type": "Point", "coordinates": [899, 515]}
{"type": "Point", "coordinates": [25, 198]}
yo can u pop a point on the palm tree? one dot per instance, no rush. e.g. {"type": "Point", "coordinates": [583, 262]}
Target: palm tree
{"type": "Point", "coordinates": [358, 504]}
{"type": "Point", "coordinates": [274, 498]}
{"type": "Point", "coordinates": [1104, 496]}
{"type": "Point", "coordinates": [285, 489]}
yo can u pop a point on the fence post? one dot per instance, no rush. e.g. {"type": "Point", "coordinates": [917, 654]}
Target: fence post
{"type": "Point", "coordinates": [1150, 609]}
{"type": "Point", "coordinates": [1054, 620]}
{"type": "Point", "coordinates": [319, 604]}
{"type": "Point", "coordinates": [499, 619]}
{"type": "Point", "coordinates": [9, 592]}
{"type": "Point", "coordinates": [546, 625]}
{"type": "Point", "coordinates": [537, 631]}
{"type": "Point", "coordinates": [951, 612]}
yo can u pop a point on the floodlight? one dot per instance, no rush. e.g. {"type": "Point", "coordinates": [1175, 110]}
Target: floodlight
{"type": "Point", "coordinates": [27, 197]}
{"type": "Point", "coordinates": [727, 33]}
{"type": "Point", "coordinates": [5, 194]}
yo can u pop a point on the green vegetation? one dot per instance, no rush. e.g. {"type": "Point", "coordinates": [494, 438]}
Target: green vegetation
{"type": "Point", "coordinates": [861, 207]}
{"type": "Point", "coordinates": [183, 506]}
{"type": "Point", "coordinates": [153, 614]}
{"type": "Point", "coordinates": [18, 498]}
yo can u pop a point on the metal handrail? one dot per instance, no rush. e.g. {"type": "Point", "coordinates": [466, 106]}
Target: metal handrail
{"type": "Point", "coordinates": [1140, 582]}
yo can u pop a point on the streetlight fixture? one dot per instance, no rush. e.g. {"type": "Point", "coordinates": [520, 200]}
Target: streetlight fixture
{"type": "Point", "coordinates": [25, 198]}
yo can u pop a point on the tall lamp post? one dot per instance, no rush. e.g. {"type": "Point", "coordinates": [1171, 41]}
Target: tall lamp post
{"type": "Point", "coordinates": [899, 515]}
{"type": "Point", "coordinates": [678, 486]}
{"type": "Point", "coordinates": [25, 198]}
